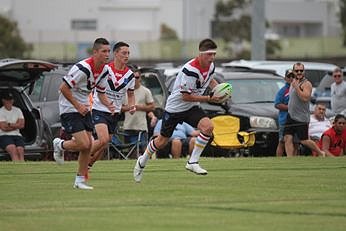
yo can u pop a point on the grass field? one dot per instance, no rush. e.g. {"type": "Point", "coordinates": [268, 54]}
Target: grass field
{"type": "Point", "coordinates": [300, 193]}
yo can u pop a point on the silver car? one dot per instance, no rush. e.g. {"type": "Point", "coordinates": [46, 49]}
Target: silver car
{"type": "Point", "coordinates": [18, 77]}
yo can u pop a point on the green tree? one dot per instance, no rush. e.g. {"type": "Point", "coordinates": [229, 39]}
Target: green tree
{"type": "Point", "coordinates": [233, 25]}
{"type": "Point", "coordinates": [167, 33]}
{"type": "Point", "coordinates": [11, 43]}
{"type": "Point", "coordinates": [342, 18]}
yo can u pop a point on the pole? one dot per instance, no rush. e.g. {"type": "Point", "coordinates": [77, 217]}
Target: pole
{"type": "Point", "coordinates": [258, 27]}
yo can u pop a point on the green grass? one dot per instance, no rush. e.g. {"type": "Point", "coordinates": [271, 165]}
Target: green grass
{"type": "Point", "coordinates": [300, 193]}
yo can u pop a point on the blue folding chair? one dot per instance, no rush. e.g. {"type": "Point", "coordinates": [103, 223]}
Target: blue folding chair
{"type": "Point", "coordinates": [118, 148]}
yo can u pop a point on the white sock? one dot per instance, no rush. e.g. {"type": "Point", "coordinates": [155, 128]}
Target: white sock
{"type": "Point", "coordinates": [149, 151]}
{"type": "Point", "coordinates": [79, 179]}
{"type": "Point", "coordinates": [201, 141]}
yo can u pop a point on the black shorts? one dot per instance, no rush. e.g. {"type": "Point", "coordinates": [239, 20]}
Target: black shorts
{"type": "Point", "coordinates": [101, 117]}
{"type": "Point", "coordinates": [7, 140]}
{"type": "Point", "coordinates": [74, 122]}
{"type": "Point", "coordinates": [296, 128]}
{"type": "Point", "coordinates": [170, 120]}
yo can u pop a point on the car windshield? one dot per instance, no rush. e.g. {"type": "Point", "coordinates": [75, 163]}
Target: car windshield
{"type": "Point", "coordinates": [255, 90]}
{"type": "Point", "coordinates": [150, 81]}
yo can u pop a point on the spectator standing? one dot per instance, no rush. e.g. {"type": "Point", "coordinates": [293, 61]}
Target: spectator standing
{"type": "Point", "coordinates": [74, 107]}
{"type": "Point", "coordinates": [183, 106]}
{"type": "Point", "coordinates": [332, 141]}
{"type": "Point", "coordinates": [120, 82]}
{"type": "Point", "coordinates": [298, 117]}
{"type": "Point", "coordinates": [281, 103]}
{"type": "Point", "coordinates": [318, 122]}
{"type": "Point", "coordinates": [338, 92]}
{"type": "Point", "coordinates": [11, 120]}
{"type": "Point", "coordinates": [183, 134]}
{"type": "Point", "coordinates": [137, 122]}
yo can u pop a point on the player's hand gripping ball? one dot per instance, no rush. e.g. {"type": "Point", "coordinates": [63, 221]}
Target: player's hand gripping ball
{"type": "Point", "coordinates": [222, 90]}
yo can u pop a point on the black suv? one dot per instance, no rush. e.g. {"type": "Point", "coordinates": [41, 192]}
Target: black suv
{"type": "Point", "coordinates": [252, 102]}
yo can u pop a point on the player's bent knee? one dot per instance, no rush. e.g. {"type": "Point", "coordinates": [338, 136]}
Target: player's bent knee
{"type": "Point", "coordinates": [85, 145]}
{"type": "Point", "coordinates": [160, 142]}
{"type": "Point", "coordinates": [206, 126]}
{"type": "Point", "coordinates": [207, 130]}
{"type": "Point", "coordinates": [104, 141]}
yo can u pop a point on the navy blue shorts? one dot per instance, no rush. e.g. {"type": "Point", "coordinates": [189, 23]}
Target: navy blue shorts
{"type": "Point", "coordinates": [101, 117]}
{"type": "Point", "coordinates": [74, 122]}
{"type": "Point", "coordinates": [7, 140]}
{"type": "Point", "coordinates": [170, 120]}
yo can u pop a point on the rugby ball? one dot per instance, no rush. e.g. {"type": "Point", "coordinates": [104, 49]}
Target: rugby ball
{"type": "Point", "coordinates": [223, 90]}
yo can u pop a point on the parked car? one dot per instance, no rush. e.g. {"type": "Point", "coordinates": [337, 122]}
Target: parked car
{"type": "Point", "coordinates": [155, 79]}
{"type": "Point", "coordinates": [314, 71]}
{"type": "Point", "coordinates": [252, 102]}
{"type": "Point", "coordinates": [16, 76]}
{"type": "Point", "coordinates": [45, 96]}
{"type": "Point", "coordinates": [322, 92]}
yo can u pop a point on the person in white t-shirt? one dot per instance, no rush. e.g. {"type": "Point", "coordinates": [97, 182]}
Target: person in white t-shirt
{"type": "Point", "coordinates": [11, 120]}
{"type": "Point", "coordinates": [183, 106]}
{"type": "Point", "coordinates": [318, 122]}
{"type": "Point", "coordinates": [120, 83]}
{"type": "Point", "coordinates": [74, 106]}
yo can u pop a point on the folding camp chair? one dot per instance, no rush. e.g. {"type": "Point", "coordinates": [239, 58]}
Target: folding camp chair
{"type": "Point", "coordinates": [119, 148]}
{"type": "Point", "coordinates": [226, 134]}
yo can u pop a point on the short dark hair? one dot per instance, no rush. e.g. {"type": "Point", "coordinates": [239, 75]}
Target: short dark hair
{"type": "Point", "coordinates": [207, 44]}
{"type": "Point", "coordinates": [134, 68]}
{"type": "Point", "coordinates": [120, 44]}
{"type": "Point", "coordinates": [7, 95]}
{"type": "Point", "coordinates": [99, 42]}
{"type": "Point", "coordinates": [320, 103]}
{"type": "Point", "coordinates": [339, 116]}
{"type": "Point", "coordinates": [289, 73]}
{"type": "Point", "coordinates": [337, 70]}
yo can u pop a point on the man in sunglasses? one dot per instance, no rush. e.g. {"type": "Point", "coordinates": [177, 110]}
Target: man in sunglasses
{"type": "Point", "coordinates": [298, 117]}
{"type": "Point", "coordinates": [338, 92]}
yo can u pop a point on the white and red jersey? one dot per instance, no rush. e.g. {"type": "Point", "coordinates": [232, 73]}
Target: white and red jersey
{"type": "Point", "coordinates": [82, 78]}
{"type": "Point", "coordinates": [118, 83]}
{"type": "Point", "coordinates": [192, 79]}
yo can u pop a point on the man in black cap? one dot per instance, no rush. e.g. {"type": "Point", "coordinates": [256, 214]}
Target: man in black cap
{"type": "Point", "coordinates": [11, 121]}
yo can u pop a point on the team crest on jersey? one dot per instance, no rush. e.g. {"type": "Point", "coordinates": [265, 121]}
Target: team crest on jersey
{"type": "Point", "coordinates": [118, 75]}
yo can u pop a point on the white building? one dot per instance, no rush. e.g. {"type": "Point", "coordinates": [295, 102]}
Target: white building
{"type": "Point", "coordinates": [81, 21]}
{"type": "Point", "coordinates": [140, 20]}
{"type": "Point", "coordinates": [304, 18]}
